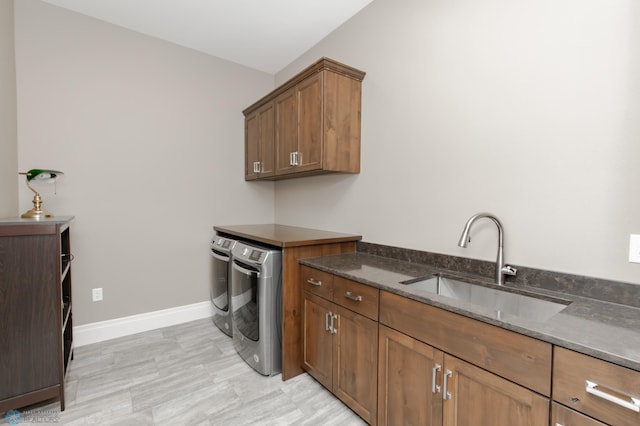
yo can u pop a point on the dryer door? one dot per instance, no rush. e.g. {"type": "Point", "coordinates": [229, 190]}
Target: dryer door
{"type": "Point", "coordinates": [219, 280]}
{"type": "Point", "coordinates": [244, 300]}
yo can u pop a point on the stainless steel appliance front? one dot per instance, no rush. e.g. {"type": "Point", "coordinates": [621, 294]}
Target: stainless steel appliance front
{"type": "Point", "coordinates": [220, 291]}
{"type": "Point", "coordinates": [256, 306]}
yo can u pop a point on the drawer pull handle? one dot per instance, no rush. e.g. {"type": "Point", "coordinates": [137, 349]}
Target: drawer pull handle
{"type": "Point", "coordinates": [435, 388]}
{"type": "Point", "coordinates": [314, 282]}
{"type": "Point", "coordinates": [592, 388]}
{"type": "Point", "coordinates": [349, 295]}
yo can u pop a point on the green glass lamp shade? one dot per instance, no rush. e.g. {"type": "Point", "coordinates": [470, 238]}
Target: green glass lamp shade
{"type": "Point", "coordinates": [40, 175]}
{"type": "Point", "coordinates": [43, 175]}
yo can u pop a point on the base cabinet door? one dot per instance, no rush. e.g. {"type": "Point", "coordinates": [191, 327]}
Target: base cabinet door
{"type": "Point", "coordinates": [409, 374]}
{"type": "Point", "coordinates": [356, 362]}
{"type": "Point", "coordinates": [473, 396]}
{"type": "Point", "coordinates": [317, 347]}
{"type": "Point", "coordinates": [340, 352]}
{"type": "Point", "coordinates": [421, 385]}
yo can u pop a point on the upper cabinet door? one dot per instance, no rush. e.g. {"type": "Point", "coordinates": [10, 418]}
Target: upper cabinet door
{"type": "Point", "coordinates": [266, 123]}
{"type": "Point", "coordinates": [310, 123]}
{"type": "Point", "coordinates": [251, 156]}
{"type": "Point", "coordinates": [286, 106]}
{"type": "Point", "coordinates": [258, 143]}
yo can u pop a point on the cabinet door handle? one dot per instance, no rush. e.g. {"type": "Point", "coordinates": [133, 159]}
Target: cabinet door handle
{"type": "Point", "coordinates": [445, 385]}
{"type": "Point", "coordinates": [435, 388]}
{"type": "Point", "coordinates": [633, 405]}
{"type": "Point", "coordinates": [334, 330]}
{"type": "Point", "coordinates": [314, 282]}
{"type": "Point", "coordinates": [291, 161]}
{"type": "Point", "coordinates": [256, 167]}
{"type": "Point", "coordinates": [349, 295]}
{"type": "Point", "coordinates": [327, 326]}
{"type": "Point", "coordinates": [298, 158]}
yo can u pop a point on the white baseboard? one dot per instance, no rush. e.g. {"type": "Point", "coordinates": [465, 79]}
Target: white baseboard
{"type": "Point", "coordinates": [119, 327]}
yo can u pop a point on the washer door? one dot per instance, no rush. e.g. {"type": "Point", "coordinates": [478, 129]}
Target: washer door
{"type": "Point", "coordinates": [244, 300]}
{"type": "Point", "coordinates": [219, 281]}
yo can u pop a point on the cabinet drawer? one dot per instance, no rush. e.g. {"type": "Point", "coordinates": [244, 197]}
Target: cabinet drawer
{"type": "Point", "coordinates": [563, 416]}
{"type": "Point", "coordinates": [602, 390]}
{"type": "Point", "coordinates": [519, 358]}
{"type": "Point", "coordinates": [316, 282]}
{"type": "Point", "coordinates": [360, 298]}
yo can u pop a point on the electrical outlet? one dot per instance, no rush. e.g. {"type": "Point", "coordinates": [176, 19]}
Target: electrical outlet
{"type": "Point", "coordinates": [634, 248]}
{"type": "Point", "coordinates": [96, 294]}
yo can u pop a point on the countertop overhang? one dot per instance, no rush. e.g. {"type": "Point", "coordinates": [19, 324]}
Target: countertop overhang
{"type": "Point", "coordinates": [285, 236]}
{"type": "Point", "coordinates": [608, 331]}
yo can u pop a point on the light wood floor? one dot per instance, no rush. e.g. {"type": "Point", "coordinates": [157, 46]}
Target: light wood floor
{"type": "Point", "coordinates": [188, 374]}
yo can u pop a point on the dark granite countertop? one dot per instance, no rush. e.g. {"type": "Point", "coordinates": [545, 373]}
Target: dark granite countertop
{"type": "Point", "coordinates": [605, 330]}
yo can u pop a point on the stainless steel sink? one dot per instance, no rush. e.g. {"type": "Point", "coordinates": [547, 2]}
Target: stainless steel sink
{"type": "Point", "coordinates": [498, 303]}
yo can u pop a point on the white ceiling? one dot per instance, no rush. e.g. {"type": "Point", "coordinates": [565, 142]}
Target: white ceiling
{"type": "Point", "coordinates": [262, 34]}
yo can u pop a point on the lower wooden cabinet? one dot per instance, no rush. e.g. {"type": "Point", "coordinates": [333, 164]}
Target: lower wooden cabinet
{"type": "Point", "coordinates": [563, 416]}
{"type": "Point", "coordinates": [473, 396]}
{"type": "Point", "coordinates": [340, 351]}
{"type": "Point", "coordinates": [406, 380]}
{"type": "Point", "coordinates": [436, 367]}
{"type": "Point", "coordinates": [317, 346]}
{"type": "Point", "coordinates": [599, 389]}
{"type": "Point", "coordinates": [419, 384]}
{"type": "Point", "coordinates": [355, 357]}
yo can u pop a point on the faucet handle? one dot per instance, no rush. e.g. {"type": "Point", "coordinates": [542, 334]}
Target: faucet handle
{"type": "Point", "coordinates": [509, 270]}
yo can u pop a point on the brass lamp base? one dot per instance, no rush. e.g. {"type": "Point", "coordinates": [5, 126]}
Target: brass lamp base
{"type": "Point", "coordinates": [36, 212]}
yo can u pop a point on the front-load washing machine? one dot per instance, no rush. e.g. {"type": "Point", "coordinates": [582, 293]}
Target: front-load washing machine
{"type": "Point", "coordinates": [256, 306]}
{"type": "Point", "coordinates": [220, 290]}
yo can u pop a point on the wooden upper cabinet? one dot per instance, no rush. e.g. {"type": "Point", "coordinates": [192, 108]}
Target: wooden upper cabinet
{"type": "Point", "coordinates": [317, 122]}
{"type": "Point", "coordinates": [259, 139]}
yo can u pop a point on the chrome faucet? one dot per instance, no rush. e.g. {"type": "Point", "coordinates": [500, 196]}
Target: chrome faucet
{"type": "Point", "coordinates": [501, 268]}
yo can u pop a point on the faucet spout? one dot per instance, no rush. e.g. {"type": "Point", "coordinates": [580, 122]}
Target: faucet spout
{"type": "Point", "coordinates": [501, 268]}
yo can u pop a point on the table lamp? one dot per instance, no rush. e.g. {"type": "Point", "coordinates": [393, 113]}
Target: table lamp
{"type": "Point", "coordinates": [39, 175]}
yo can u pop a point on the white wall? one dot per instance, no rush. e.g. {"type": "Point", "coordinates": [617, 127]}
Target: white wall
{"type": "Point", "coordinates": [8, 123]}
{"type": "Point", "coordinates": [527, 109]}
{"type": "Point", "coordinates": [150, 137]}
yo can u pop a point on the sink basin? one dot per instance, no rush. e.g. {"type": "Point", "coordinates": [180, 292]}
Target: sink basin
{"type": "Point", "coordinates": [498, 303]}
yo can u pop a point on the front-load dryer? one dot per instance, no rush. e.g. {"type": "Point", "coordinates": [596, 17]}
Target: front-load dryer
{"type": "Point", "coordinates": [256, 306]}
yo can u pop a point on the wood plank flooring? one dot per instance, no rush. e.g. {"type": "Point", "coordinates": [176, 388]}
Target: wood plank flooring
{"type": "Point", "coordinates": [188, 374]}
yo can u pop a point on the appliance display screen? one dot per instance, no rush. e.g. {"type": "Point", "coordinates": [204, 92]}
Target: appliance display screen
{"type": "Point", "coordinates": [255, 255]}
